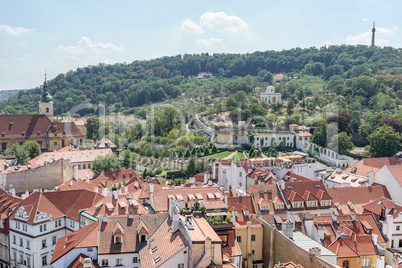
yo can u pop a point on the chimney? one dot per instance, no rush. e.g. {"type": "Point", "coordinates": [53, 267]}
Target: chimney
{"type": "Point", "coordinates": [282, 184]}
{"type": "Point", "coordinates": [76, 173]}
{"type": "Point", "coordinates": [115, 195]}
{"type": "Point", "coordinates": [104, 191]}
{"type": "Point", "coordinates": [87, 263]}
{"type": "Point", "coordinates": [381, 263]}
{"type": "Point", "coordinates": [87, 179]}
{"type": "Point", "coordinates": [374, 238]}
{"type": "Point", "coordinates": [151, 188]}
{"type": "Point", "coordinates": [315, 251]}
{"type": "Point", "coordinates": [96, 189]}
{"type": "Point", "coordinates": [125, 189]}
{"type": "Point", "coordinates": [290, 216]}
{"type": "Point", "coordinates": [287, 228]}
{"type": "Point", "coordinates": [353, 216]}
{"type": "Point", "coordinates": [175, 224]}
{"type": "Point", "coordinates": [370, 175]}
{"type": "Point", "coordinates": [338, 233]}
{"type": "Point", "coordinates": [130, 215]}
{"type": "Point", "coordinates": [71, 183]}
{"type": "Point", "coordinates": [171, 207]}
{"type": "Point", "coordinates": [208, 244]}
{"type": "Point", "coordinates": [104, 218]}
{"type": "Point", "coordinates": [135, 184]}
{"type": "Point", "coordinates": [320, 233]}
{"type": "Point", "coordinates": [334, 217]}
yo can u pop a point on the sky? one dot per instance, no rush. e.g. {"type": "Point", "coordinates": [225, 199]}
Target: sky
{"type": "Point", "coordinates": [57, 36]}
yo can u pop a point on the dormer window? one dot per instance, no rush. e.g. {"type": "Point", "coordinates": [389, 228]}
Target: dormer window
{"type": "Point", "coordinates": [118, 239]}
{"type": "Point", "coordinates": [245, 213]}
{"type": "Point", "coordinates": [143, 238]}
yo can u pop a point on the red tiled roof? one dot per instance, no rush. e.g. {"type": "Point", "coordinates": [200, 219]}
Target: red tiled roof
{"type": "Point", "coordinates": [68, 149]}
{"type": "Point", "coordinates": [232, 249]}
{"type": "Point", "coordinates": [107, 179]}
{"type": "Point", "coordinates": [268, 193]}
{"type": "Point", "coordinates": [57, 204]}
{"type": "Point", "coordinates": [162, 246]}
{"type": "Point", "coordinates": [7, 203]}
{"type": "Point", "coordinates": [79, 262]}
{"type": "Point", "coordinates": [82, 238]}
{"type": "Point", "coordinates": [73, 184]}
{"type": "Point", "coordinates": [377, 206]}
{"type": "Point", "coordinates": [289, 264]}
{"type": "Point", "coordinates": [359, 196]}
{"type": "Point", "coordinates": [397, 172]}
{"type": "Point", "coordinates": [297, 177]}
{"type": "Point", "coordinates": [112, 207]}
{"type": "Point", "coordinates": [130, 240]}
{"type": "Point", "coordinates": [70, 129]}
{"type": "Point", "coordinates": [238, 204]}
{"type": "Point", "coordinates": [305, 191]}
{"type": "Point", "coordinates": [374, 164]}
{"type": "Point", "coordinates": [31, 125]}
{"type": "Point", "coordinates": [161, 196]}
{"type": "Point", "coordinates": [105, 143]}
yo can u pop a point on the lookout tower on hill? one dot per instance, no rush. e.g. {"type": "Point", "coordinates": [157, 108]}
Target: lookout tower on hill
{"type": "Point", "coordinates": [373, 34]}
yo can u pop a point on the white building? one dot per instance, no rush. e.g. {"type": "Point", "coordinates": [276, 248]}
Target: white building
{"type": "Point", "coordinates": [270, 97]}
{"type": "Point", "coordinates": [40, 220]}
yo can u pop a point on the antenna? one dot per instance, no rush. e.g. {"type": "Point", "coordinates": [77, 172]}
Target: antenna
{"type": "Point", "coordinates": [373, 35]}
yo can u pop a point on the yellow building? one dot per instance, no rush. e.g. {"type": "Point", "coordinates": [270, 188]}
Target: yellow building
{"type": "Point", "coordinates": [249, 237]}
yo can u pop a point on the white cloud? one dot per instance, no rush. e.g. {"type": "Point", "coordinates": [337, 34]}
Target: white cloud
{"type": "Point", "coordinates": [327, 43]}
{"type": "Point", "coordinates": [86, 45]}
{"type": "Point", "coordinates": [364, 19]}
{"type": "Point", "coordinates": [221, 22]}
{"type": "Point", "coordinates": [14, 31]}
{"type": "Point", "coordinates": [191, 27]}
{"type": "Point", "coordinates": [211, 42]}
{"type": "Point", "coordinates": [382, 36]}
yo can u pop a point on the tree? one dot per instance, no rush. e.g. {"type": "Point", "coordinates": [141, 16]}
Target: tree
{"type": "Point", "coordinates": [191, 168]}
{"type": "Point", "coordinates": [20, 153]}
{"type": "Point", "coordinates": [341, 142]}
{"type": "Point", "coordinates": [384, 141]}
{"type": "Point", "coordinates": [126, 159]}
{"type": "Point", "coordinates": [240, 97]}
{"type": "Point", "coordinates": [281, 146]}
{"type": "Point", "coordinates": [320, 135]}
{"type": "Point", "coordinates": [92, 126]}
{"type": "Point", "coordinates": [105, 163]}
{"type": "Point", "coordinates": [33, 148]}
{"type": "Point", "coordinates": [206, 150]}
{"type": "Point", "coordinates": [214, 149]}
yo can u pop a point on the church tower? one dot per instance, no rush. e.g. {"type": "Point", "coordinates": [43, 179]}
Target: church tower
{"type": "Point", "coordinates": [373, 34]}
{"type": "Point", "coordinates": [46, 103]}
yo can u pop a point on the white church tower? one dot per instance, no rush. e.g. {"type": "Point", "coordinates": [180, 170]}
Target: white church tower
{"type": "Point", "coordinates": [46, 103]}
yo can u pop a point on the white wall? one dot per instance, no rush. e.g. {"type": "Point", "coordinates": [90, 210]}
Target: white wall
{"type": "Point", "coordinates": [231, 175]}
{"type": "Point", "coordinates": [68, 258]}
{"type": "Point", "coordinates": [179, 257]}
{"type": "Point", "coordinates": [385, 177]}
{"type": "Point", "coordinates": [127, 259]}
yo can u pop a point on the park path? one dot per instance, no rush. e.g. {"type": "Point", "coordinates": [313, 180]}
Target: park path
{"type": "Point", "coordinates": [231, 155]}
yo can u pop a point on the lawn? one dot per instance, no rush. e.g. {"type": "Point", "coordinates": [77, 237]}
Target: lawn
{"type": "Point", "coordinates": [238, 156]}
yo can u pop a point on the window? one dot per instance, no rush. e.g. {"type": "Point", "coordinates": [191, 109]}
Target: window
{"type": "Point", "coordinates": [345, 264]}
{"type": "Point", "coordinates": [119, 262]}
{"type": "Point", "coordinates": [118, 240]}
{"type": "Point", "coordinates": [21, 242]}
{"type": "Point", "coordinates": [28, 261]}
{"type": "Point", "coordinates": [105, 262]}
{"type": "Point", "coordinates": [398, 227]}
{"type": "Point", "coordinates": [43, 243]}
{"type": "Point", "coordinates": [238, 238]}
{"type": "Point", "coordinates": [252, 237]}
{"type": "Point", "coordinates": [90, 249]}
{"type": "Point", "coordinates": [21, 258]}
{"type": "Point", "coordinates": [24, 227]}
{"type": "Point", "coordinates": [143, 238]}
{"type": "Point", "coordinates": [47, 109]}
{"type": "Point", "coordinates": [366, 262]}
{"type": "Point", "coordinates": [255, 265]}
{"type": "Point", "coordinates": [54, 239]}
{"type": "Point", "coordinates": [71, 223]}
{"type": "Point", "coordinates": [252, 252]}
{"type": "Point", "coordinates": [55, 143]}
{"type": "Point", "coordinates": [400, 243]}
{"type": "Point", "coordinates": [14, 239]}
{"type": "Point", "coordinates": [180, 265]}
{"type": "Point", "coordinates": [44, 260]}
{"type": "Point", "coordinates": [28, 244]}
{"type": "Point", "coordinates": [135, 259]}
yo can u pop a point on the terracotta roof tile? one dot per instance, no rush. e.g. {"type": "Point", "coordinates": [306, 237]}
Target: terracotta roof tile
{"type": "Point", "coordinates": [74, 156]}
{"type": "Point", "coordinates": [268, 192]}
{"type": "Point", "coordinates": [31, 125]}
{"type": "Point", "coordinates": [84, 237]}
{"type": "Point", "coordinates": [161, 246]}
{"type": "Point", "coordinates": [105, 143]}
{"type": "Point", "coordinates": [79, 262]}
{"type": "Point", "coordinates": [238, 203]}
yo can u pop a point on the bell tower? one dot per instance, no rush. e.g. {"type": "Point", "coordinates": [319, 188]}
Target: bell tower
{"type": "Point", "coordinates": [46, 103]}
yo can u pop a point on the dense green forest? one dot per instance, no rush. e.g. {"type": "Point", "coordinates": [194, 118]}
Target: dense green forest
{"type": "Point", "coordinates": [145, 82]}
{"type": "Point", "coordinates": [357, 87]}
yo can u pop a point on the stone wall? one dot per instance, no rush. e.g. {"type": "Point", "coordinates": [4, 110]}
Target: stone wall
{"type": "Point", "coordinates": [43, 177]}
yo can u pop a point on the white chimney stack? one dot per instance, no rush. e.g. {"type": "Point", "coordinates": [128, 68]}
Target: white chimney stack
{"type": "Point", "coordinates": [76, 173]}
{"type": "Point", "coordinates": [104, 191]}
{"type": "Point", "coordinates": [96, 189]}
{"type": "Point", "coordinates": [136, 184]}
{"type": "Point", "coordinates": [151, 188]}
{"type": "Point", "coordinates": [104, 218]}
